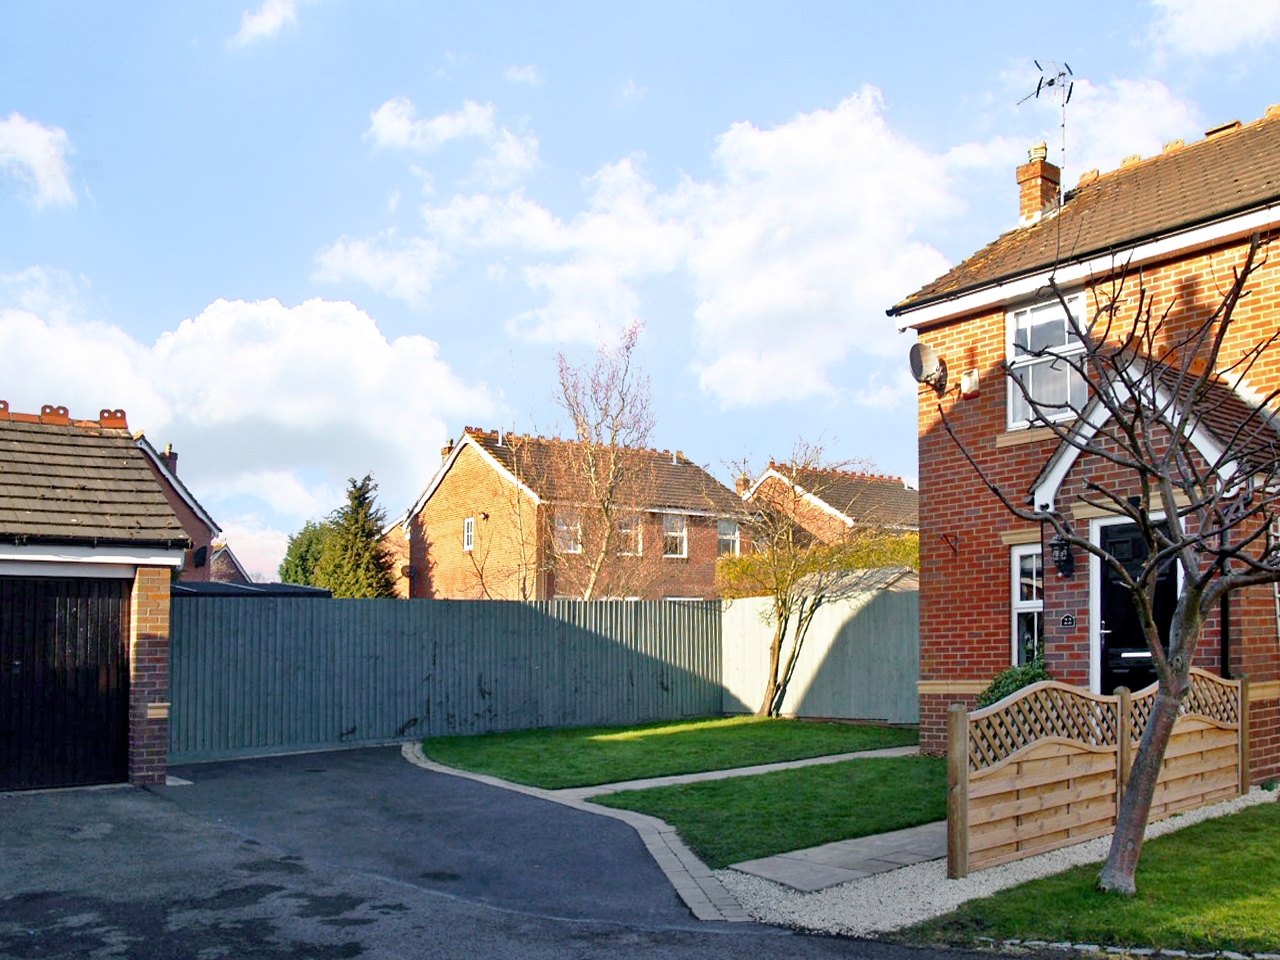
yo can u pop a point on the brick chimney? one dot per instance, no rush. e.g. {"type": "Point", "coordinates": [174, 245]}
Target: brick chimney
{"type": "Point", "coordinates": [446, 450]}
{"type": "Point", "coordinates": [741, 484]}
{"type": "Point", "coordinates": [1038, 185]}
{"type": "Point", "coordinates": [170, 458]}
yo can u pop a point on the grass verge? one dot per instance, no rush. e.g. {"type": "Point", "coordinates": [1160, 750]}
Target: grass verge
{"type": "Point", "coordinates": [728, 821]}
{"type": "Point", "coordinates": [1213, 886]}
{"type": "Point", "coordinates": [591, 755]}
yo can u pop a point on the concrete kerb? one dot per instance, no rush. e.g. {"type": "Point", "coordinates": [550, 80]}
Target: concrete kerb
{"type": "Point", "coordinates": [705, 897]}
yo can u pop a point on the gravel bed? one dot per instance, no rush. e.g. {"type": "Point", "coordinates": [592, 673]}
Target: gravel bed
{"type": "Point", "coordinates": [899, 898]}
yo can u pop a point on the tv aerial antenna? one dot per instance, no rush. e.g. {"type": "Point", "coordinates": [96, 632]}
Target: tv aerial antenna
{"type": "Point", "coordinates": [1056, 84]}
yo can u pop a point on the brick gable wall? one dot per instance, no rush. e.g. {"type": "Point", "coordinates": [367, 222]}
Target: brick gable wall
{"type": "Point", "coordinates": [511, 558]}
{"type": "Point", "coordinates": [965, 533]}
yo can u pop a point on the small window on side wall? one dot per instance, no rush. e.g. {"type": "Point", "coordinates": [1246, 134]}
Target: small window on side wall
{"type": "Point", "coordinates": [675, 535]}
{"type": "Point", "coordinates": [568, 532]}
{"type": "Point", "coordinates": [1042, 348]}
{"type": "Point", "coordinates": [631, 536]}
{"type": "Point", "coordinates": [728, 541]}
{"type": "Point", "coordinates": [468, 534]}
{"type": "Point", "coordinates": [1028, 603]}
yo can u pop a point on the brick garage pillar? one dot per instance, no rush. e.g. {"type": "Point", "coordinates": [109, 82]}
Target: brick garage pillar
{"type": "Point", "coordinates": [149, 676]}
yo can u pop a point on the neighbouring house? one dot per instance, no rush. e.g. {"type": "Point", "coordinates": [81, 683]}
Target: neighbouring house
{"type": "Point", "coordinates": [88, 547]}
{"type": "Point", "coordinates": [1175, 226]}
{"type": "Point", "coordinates": [511, 517]}
{"type": "Point", "coordinates": [208, 558]}
{"type": "Point", "coordinates": [832, 505]}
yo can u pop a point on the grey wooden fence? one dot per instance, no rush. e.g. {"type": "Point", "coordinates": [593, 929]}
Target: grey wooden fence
{"type": "Point", "coordinates": [860, 659]}
{"type": "Point", "coordinates": [260, 675]}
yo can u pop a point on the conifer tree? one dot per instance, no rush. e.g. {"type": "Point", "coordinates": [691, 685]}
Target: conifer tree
{"type": "Point", "coordinates": [353, 562]}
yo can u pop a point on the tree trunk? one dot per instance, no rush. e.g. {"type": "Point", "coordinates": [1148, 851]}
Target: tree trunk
{"type": "Point", "coordinates": [767, 706]}
{"type": "Point", "coordinates": [1131, 820]}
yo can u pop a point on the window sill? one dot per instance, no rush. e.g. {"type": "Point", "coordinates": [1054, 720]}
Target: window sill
{"type": "Point", "coordinates": [1015, 438]}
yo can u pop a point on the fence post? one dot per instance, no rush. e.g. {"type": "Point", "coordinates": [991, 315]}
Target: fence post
{"type": "Point", "coordinates": [1124, 742]}
{"type": "Point", "coordinates": [1244, 736]}
{"type": "Point", "coordinates": [957, 791]}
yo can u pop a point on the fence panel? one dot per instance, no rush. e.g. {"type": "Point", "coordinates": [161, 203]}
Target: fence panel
{"type": "Point", "coordinates": [259, 675]}
{"type": "Point", "coordinates": [860, 660]}
{"type": "Point", "coordinates": [1046, 767]}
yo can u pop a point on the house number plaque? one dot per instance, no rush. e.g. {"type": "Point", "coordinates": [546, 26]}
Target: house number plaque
{"type": "Point", "coordinates": [1068, 619]}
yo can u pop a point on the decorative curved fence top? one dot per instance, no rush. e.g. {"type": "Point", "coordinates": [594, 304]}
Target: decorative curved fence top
{"type": "Point", "coordinates": [1055, 710]}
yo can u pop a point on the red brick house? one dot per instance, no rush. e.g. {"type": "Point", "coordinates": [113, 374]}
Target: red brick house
{"type": "Point", "coordinates": [506, 517]}
{"type": "Point", "coordinates": [833, 504]}
{"type": "Point", "coordinates": [208, 558]}
{"type": "Point", "coordinates": [88, 546]}
{"type": "Point", "coordinates": [1175, 226]}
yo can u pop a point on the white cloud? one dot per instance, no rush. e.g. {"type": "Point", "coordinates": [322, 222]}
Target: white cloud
{"type": "Point", "coordinates": [257, 545]}
{"type": "Point", "coordinates": [265, 23]}
{"type": "Point", "coordinates": [632, 93]}
{"type": "Point", "coordinates": [1213, 27]}
{"type": "Point", "coordinates": [49, 292]}
{"type": "Point", "coordinates": [527, 74]}
{"type": "Point", "coordinates": [278, 403]}
{"type": "Point", "coordinates": [36, 156]}
{"type": "Point", "coordinates": [395, 124]}
{"type": "Point", "coordinates": [793, 249]}
{"type": "Point", "coordinates": [509, 155]}
{"type": "Point", "coordinates": [404, 270]}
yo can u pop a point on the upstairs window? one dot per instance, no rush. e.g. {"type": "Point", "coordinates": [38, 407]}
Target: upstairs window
{"type": "Point", "coordinates": [630, 536]}
{"type": "Point", "coordinates": [675, 535]}
{"type": "Point", "coordinates": [568, 533]}
{"type": "Point", "coordinates": [1041, 342]}
{"type": "Point", "coordinates": [728, 541]}
{"type": "Point", "coordinates": [468, 534]}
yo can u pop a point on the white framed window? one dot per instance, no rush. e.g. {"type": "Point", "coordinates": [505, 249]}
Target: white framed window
{"type": "Point", "coordinates": [1028, 603]}
{"type": "Point", "coordinates": [728, 539]}
{"type": "Point", "coordinates": [568, 532]}
{"type": "Point", "coordinates": [675, 535]}
{"type": "Point", "coordinates": [631, 536]}
{"type": "Point", "coordinates": [1041, 342]}
{"type": "Point", "coordinates": [468, 534]}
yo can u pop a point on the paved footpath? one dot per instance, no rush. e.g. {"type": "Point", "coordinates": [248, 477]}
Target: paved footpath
{"type": "Point", "coordinates": [806, 870]}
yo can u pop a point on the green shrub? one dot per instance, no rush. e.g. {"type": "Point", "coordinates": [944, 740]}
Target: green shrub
{"type": "Point", "coordinates": [1015, 678]}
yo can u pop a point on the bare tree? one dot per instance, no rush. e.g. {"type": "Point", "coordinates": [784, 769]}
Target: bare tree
{"type": "Point", "coordinates": [796, 563]}
{"type": "Point", "coordinates": [605, 477]}
{"type": "Point", "coordinates": [1179, 455]}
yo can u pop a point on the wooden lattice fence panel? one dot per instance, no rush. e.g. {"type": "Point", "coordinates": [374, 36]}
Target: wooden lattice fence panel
{"type": "Point", "coordinates": [1046, 767]}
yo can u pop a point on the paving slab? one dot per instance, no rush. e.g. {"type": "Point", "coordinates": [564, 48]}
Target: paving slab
{"type": "Point", "coordinates": [831, 864]}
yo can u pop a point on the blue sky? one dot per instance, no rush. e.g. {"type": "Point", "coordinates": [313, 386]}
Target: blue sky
{"type": "Point", "coordinates": [302, 240]}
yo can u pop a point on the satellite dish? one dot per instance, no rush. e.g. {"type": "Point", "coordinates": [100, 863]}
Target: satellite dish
{"type": "Point", "coordinates": [928, 367]}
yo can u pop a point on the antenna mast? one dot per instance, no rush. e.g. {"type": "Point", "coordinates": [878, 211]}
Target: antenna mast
{"type": "Point", "coordinates": [1056, 83]}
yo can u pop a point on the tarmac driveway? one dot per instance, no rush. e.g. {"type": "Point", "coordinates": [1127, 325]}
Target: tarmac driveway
{"type": "Point", "coordinates": [346, 854]}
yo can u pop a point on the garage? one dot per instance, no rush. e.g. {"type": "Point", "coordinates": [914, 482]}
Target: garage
{"type": "Point", "coordinates": [65, 717]}
{"type": "Point", "coordinates": [88, 546]}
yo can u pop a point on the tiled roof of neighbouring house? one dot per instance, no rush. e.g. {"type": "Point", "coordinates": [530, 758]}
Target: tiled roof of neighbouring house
{"type": "Point", "coordinates": [79, 482]}
{"type": "Point", "coordinates": [660, 479]}
{"type": "Point", "coordinates": [864, 498]}
{"type": "Point", "coordinates": [1223, 175]}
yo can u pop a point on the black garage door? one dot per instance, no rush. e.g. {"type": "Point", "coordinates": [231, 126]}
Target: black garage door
{"type": "Point", "coordinates": [64, 682]}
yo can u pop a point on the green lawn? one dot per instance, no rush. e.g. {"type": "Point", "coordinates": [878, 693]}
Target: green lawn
{"type": "Point", "coordinates": [728, 821]}
{"type": "Point", "coordinates": [1212, 886]}
{"type": "Point", "coordinates": [591, 755]}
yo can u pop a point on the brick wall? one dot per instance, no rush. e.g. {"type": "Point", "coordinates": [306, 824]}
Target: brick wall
{"type": "Point", "coordinates": [511, 556]}
{"type": "Point", "coordinates": [149, 675]}
{"type": "Point", "coordinates": [965, 603]}
{"type": "Point", "coordinates": [822, 524]}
